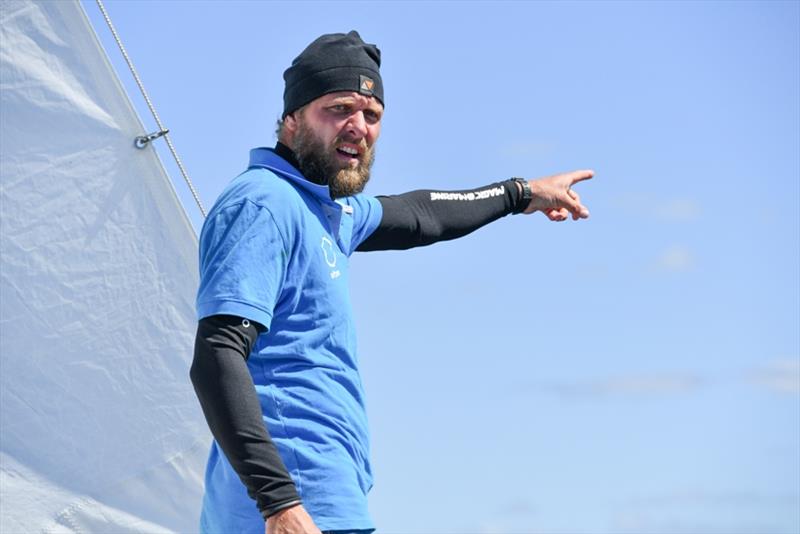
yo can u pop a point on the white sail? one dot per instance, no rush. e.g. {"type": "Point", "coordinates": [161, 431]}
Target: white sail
{"type": "Point", "coordinates": [99, 428]}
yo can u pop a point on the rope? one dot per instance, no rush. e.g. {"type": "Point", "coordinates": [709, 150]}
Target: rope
{"type": "Point", "coordinates": [152, 109]}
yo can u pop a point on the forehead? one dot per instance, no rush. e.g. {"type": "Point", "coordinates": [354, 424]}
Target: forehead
{"type": "Point", "coordinates": [349, 97]}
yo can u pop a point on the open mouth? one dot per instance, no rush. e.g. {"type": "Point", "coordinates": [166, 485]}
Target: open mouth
{"type": "Point", "coordinates": [348, 153]}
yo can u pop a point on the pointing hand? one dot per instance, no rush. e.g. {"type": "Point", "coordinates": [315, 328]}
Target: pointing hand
{"type": "Point", "coordinates": [554, 196]}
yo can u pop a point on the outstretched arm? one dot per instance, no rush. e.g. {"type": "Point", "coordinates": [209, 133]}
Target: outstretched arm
{"type": "Point", "coordinates": [423, 217]}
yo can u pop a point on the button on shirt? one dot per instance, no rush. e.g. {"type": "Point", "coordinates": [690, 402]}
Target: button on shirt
{"type": "Point", "coordinates": [274, 249]}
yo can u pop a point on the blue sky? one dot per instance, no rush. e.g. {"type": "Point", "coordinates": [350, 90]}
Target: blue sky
{"type": "Point", "coordinates": [638, 372]}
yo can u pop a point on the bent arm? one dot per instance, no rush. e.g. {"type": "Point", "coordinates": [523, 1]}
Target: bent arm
{"type": "Point", "coordinates": [424, 217]}
{"type": "Point", "coordinates": [227, 395]}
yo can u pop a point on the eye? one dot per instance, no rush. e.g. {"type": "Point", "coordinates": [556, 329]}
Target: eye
{"type": "Point", "coordinates": [340, 108]}
{"type": "Point", "coordinates": [372, 117]}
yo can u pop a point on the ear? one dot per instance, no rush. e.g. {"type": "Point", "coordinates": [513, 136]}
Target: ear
{"type": "Point", "coordinates": [289, 128]}
{"type": "Point", "coordinates": [290, 121]}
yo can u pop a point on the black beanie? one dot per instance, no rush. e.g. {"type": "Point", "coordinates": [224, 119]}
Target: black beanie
{"type": "Point", "coordinates": [333, 62]}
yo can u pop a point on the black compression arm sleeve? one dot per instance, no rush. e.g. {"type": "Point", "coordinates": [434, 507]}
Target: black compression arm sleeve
{"type": "Point", "coordinates": [225, 388]}
{"type": "Point", "coordinates": [423, 217]}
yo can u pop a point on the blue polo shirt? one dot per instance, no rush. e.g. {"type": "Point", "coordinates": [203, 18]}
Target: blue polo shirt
{"type": "Point", "coordinates": [274, 249]}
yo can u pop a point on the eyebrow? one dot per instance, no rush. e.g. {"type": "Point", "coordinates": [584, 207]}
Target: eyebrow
{"type": "Point", "coordinates": [351, 100]}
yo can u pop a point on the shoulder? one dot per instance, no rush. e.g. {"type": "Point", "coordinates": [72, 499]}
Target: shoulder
{"type": "Point", "coordinates": [259, 187]}
{"type": "Point", "coordinates": [366, 212]}
{"type": "Point", "coordinates": [256, 199]}
{"type": "Point", "coordinates": [361, 206]}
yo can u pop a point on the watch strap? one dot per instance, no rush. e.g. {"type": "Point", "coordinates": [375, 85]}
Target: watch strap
{"type": "Point", "coordinates": [526, 196]}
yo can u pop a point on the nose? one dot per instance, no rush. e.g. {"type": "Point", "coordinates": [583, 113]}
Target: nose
{"type": "Point", "coordinates": [357, 125]}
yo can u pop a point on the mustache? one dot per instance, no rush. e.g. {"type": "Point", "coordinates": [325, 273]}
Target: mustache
{"type": "Point", "coordinates": [362, 145]}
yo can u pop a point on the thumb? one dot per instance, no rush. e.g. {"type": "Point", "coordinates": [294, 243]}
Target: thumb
{"type": "Point", "coordinates": [573, 203]}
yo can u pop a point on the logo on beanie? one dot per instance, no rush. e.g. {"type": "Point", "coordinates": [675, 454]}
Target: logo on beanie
{"type": "Point", "coordinates": [365, 85]}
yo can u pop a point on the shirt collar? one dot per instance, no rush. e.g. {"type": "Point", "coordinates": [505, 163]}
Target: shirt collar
{"type": "Point", "coordinates": [266, 158]}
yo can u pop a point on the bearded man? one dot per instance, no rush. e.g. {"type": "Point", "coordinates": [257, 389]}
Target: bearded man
{"type": "Point", "coordinates": [275, 365]}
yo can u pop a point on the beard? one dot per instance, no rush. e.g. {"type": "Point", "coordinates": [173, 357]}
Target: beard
{"type": "Point", "coordinates": [318, 163]}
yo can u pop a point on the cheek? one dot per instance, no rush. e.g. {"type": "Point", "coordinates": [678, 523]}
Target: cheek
{"type": "Point", "coordinates": [373, 132]}
{"type": "Point", "coordinates": [331, 133]}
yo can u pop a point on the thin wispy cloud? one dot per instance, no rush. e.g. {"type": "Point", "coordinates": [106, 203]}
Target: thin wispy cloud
{"type": "Point", "coordinates": [669, 512]}
{"type": "Point", "coordinates": [676, 512]}
{"type": "Point", "coordinates": [671, 210]}
{"type": "Point", "coordinates": [678, 210]}
{"type": "Point", "coordinates": [780, 376]}
{"type": "Point", "coordinates": [592, 271]}
{"type": "Point", "coordinates": [708, 497]}
{"type": "Point", "coordinates": [642, 524]}
{"type": "Point", "coordinates": [674, 259]}
{"type": "Point", "coordinates": [517, 517]}
{"type": "Point", "coordinates": [510, 526]}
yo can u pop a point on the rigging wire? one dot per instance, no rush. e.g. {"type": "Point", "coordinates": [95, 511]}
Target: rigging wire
{"type": "Point", "coordinates": [152, 109]}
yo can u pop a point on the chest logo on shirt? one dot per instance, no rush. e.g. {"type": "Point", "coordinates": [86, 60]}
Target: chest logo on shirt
{"type": "Point", "coordinates": [330, 256]}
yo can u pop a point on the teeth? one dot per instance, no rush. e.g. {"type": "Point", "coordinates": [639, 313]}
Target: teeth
{"type": "Point", "coordinates": [348, 150]}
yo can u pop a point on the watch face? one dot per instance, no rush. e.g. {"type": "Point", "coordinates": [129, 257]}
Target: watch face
{"type": "Point", "coordinates": [526, 189]}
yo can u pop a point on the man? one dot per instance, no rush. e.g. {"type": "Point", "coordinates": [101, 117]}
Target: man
{"type": "Point", "coordinates": [275, 366]}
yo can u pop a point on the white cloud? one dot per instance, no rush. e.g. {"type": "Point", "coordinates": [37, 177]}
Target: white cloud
{"type": "Point", "coordinates": [781, 376]}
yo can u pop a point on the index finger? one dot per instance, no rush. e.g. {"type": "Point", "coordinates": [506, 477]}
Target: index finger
{"type": "Point", "coordinates": [579, 176]}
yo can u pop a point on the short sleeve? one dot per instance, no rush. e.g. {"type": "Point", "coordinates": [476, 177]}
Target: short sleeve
{"type": "Point", "coordinates": [242, 263]}
{"type": "Point", "coordinates": [367, 214]}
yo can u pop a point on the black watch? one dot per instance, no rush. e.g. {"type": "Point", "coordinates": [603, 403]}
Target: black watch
{"type": "Point", "coordinates": [527, 195]}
